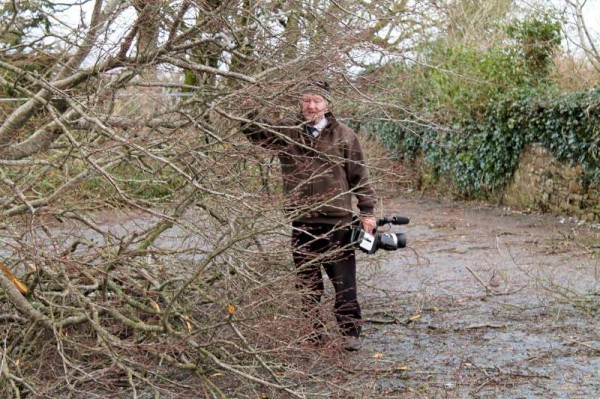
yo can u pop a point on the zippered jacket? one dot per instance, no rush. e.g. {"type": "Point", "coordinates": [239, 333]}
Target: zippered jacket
{"type": "Point", "coordinates": [321, 174]}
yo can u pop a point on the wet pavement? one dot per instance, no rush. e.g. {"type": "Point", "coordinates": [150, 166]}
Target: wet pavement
{"type": "Point", "coordinates": [483, 303]}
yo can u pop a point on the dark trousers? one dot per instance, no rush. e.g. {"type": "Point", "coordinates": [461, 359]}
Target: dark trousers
{"type": "Point", "coordinates": [317, 245]}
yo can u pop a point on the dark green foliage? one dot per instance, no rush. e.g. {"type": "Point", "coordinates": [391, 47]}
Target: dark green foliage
{"type": "Point", "coordinates": [466, 79]}
{"type": "Point", "coordinates": [485, 105]}
{"type": "Point", "coordinates": [404, 140]}
{"type": "Point", "coordinates": [538, 38]}
{"type": "Point", "coordinates": [481, 156]}
{"type": "Point", "coordinates": [19, 18]}
{"type": "Point", "coordinates": [20, 23]}
{"type": "Point", "coordinates": [569, 126]}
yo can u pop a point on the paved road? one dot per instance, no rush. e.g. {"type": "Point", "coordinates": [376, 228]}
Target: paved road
{"type": "Point", "coordinates": [485, 303]}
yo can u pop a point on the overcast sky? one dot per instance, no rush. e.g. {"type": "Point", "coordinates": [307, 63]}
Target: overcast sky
{"type": "Point", "coordinates": [75, 15]}
{"type": "Point", "coordinates": [591, 13]}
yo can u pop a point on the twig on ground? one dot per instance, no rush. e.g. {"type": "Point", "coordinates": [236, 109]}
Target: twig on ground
{"type": "Point", "coordinates": [487, 288]}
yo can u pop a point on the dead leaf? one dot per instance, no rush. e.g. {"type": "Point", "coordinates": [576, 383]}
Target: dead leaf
{"type": "Point", "coordinates": [155, 305]}
{"type": "Point", "coordinates": [415, 317]}
{"type": "Point", "coordinates": [16, 282]}
{"type": "Point", "coordinates": [188, 325]}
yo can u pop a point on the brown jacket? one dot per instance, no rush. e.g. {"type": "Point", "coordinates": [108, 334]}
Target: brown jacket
{"type": "Point", "coordinates": [320, 174]}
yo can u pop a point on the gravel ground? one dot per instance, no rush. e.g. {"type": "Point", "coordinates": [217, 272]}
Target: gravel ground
{"type": "Point", "coordinates": [484, 303]}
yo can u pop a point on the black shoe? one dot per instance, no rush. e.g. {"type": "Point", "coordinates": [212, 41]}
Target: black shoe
{"type": "Point", "coordinates": [352, 344]}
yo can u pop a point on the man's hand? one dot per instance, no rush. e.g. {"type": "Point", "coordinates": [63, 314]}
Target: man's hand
{"type": "Point", "coordinates": [369, 223]}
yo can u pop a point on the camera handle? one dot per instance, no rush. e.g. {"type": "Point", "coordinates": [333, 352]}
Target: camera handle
{"type": "Point", "coordinates": [397, 220]}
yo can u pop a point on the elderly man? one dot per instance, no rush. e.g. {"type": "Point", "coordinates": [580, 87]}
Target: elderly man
{"type": "Point", "coordinates": [323, 168]}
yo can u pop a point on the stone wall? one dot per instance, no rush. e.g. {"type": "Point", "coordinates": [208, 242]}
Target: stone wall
{"type": "Point", "coordinates": [543, 183]}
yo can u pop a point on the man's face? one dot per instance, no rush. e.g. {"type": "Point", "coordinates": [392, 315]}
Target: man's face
{"type": "Point", "coordinates": [314, 107]}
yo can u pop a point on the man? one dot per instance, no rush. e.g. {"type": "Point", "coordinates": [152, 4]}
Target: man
{"type": "Point", "coordinates": [323, 167]}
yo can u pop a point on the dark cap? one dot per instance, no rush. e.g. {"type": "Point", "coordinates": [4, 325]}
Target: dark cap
{"type": "Point", "coordinates": [319, 87]}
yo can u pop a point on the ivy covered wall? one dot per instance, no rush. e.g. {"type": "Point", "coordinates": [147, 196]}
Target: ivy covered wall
{"type": "Point", "coordinates": [480, 157]}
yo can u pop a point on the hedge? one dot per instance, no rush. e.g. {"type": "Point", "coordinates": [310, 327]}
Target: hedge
{"type": "Point", "coordinates": [481, 156]}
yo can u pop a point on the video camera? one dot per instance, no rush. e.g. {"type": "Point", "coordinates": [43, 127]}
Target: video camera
{"type": "Point", "coordinates": [370, 243]}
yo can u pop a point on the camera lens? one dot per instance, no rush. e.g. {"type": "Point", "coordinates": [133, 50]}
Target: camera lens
{"type": "Point", "coordinates": [401, 240]}
{"type": "Point", "coordinates": [392, 241]}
